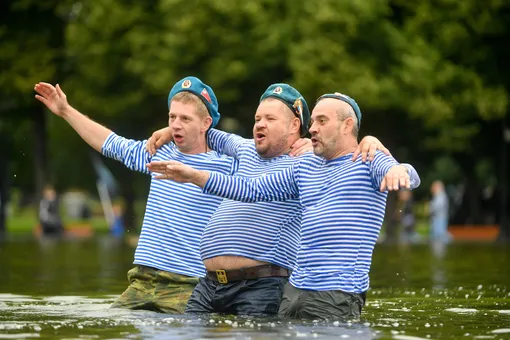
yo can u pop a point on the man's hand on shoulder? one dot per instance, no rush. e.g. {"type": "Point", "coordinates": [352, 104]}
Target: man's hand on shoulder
{"type": "Point", "coordinates": [301, 146]}
{"type": "Point", "coordinates": [158, 139]}
{"type": "Point", "coordinates": [368, 147]}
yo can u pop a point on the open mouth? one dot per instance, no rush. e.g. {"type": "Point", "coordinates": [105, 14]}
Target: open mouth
{"type": "Point", "coordinates": [314, 141]}
{"type": "Point", "coordinates": [260, 136]}
{"type": "Point", "coordinates": [178, 138]}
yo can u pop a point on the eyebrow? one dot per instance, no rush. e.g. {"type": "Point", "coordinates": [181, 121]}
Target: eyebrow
{"type": "Point", "coordinates": [319, 116]}
{"type": "Point", "coordinates": [271, 115]}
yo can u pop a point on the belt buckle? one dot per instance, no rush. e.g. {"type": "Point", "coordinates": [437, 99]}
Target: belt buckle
{"type": "Point", "coordinates": [221, 275]}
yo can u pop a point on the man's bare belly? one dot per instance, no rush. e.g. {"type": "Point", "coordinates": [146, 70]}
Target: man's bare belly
{"type": "Point", "coordinates": [230, 262]}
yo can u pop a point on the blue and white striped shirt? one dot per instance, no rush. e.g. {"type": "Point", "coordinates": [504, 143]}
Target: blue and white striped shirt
{"type": "Point", "coordinates": [343, 211]}
{"type": "Point", "coordinates": [176, 213]}
{"type": "Point", "coordinates": [264, 231]}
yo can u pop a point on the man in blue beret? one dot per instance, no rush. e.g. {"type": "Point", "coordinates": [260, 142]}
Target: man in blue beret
{"type": "Point", "coordinates": [167, 259]}
{"type": "Point", "coordinates": [249, 249]}
{"type": "Point", "coordinates": [342, 205]}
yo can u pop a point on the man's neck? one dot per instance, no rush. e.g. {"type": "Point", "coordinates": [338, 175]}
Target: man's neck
{"type": "Point", "coordinates": [201, 147]}
{"type": "Point", "coordinates": [345, 150]}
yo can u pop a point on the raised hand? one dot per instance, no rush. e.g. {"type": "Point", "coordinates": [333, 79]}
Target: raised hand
{"type": "Point", "coordinates": [53, 97]}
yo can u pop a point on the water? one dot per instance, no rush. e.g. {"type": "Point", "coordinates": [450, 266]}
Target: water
{"type": "Point", "coordinates": [63, 289]}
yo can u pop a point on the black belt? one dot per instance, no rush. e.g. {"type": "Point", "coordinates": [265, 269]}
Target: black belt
{"type": "Point", "coordinates": [248, 273]}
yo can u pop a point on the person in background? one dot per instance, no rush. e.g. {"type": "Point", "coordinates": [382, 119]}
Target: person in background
{"type": "Point", "coordinates": [438, 211]}
{"type": "Point", "coordinates": [117, 227]}
{"type": "Point", "coordinates": [407, 218]}
{"type": "Point", "coordinates": [49, 213]}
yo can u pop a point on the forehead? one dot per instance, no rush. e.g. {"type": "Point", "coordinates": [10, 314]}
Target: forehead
{"type": "Point", "coordinates": [271, 106]}
{"type": "Point", "coordinates": [326, 107]}
{"type": "Point", "coordinates": [179, 108]}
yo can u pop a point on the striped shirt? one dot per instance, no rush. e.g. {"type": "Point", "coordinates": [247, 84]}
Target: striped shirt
{"type": "Point", "coordinates": [176, 213]}
{"type": "Point", "coordinates": [343, 211]}
{"type": "Point", "coordinates": [264, 231]}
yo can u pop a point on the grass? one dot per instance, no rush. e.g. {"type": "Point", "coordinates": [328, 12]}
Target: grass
{"type": "Point", "coordinates": [26, 221]}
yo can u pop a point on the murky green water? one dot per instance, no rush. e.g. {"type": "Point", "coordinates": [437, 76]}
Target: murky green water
{"type": "Point", "coordinates": [63, 290]}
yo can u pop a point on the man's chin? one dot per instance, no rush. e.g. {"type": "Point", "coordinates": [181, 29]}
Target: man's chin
{"type": "Point", "coordinates": [261, 150]}
{"type": "Point", "coordinates": [318, 152]}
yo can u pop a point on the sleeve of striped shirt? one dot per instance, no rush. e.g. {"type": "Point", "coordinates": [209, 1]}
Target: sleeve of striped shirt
{"type": "Point", "coordinates": [278, 186]}
{"type": "Point", "coordinates": [130, 152]}
{"type": "Point", "coordinates": [225, 143]}
{"type": "Point", "coordinates": [382, 163]}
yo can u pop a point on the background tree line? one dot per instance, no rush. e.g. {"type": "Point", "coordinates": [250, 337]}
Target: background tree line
{"type": "Point", "coordinates": [431, 76]}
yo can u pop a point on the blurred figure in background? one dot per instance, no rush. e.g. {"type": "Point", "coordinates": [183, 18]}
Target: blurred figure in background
{"type": "Point", "coordinates": [49, 213]}
{"type": "Point", "coordinates": [407, 218]}
{"type": "Point", "coordinates": [117, 227]}
{"type": "Point", "coordinates": [438, 211]}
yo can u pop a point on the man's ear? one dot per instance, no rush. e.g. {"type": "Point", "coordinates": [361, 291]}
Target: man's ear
{"type": "Point", "coordinates": [207, 123]}
{"type": "Point", "coordinates": [348, 126]}
{"type": "Point", "coordinates": [295, 125]}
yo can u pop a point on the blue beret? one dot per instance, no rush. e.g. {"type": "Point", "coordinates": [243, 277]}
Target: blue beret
{"type": "Point", "coordinates": [346, 99]}
{"type": "Point", "coordinates": [202, 91]}
{"type": "Point", "coordinates": [293, 99]}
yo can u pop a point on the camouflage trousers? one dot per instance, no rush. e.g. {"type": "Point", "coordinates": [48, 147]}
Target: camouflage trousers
{"type": "Point", "coordinates": [156, 290]}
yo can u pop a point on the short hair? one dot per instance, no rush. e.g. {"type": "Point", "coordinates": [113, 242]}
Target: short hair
{"type": "Point", "coordinates": [187, 98]}
{"type": "Point", "coordinates": [343, 115]}
{"type": "Point", "coordinates": [272, 99]}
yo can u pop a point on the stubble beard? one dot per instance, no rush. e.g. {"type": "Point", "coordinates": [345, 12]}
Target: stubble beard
{"type": "Point", "coordinates": [271, 150]}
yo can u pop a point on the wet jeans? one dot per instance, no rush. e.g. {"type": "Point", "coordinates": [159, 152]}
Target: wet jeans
{"type": "Point", "coordinates": [326, 305]}
{"type": "Point", "coordinates": [256, 297]}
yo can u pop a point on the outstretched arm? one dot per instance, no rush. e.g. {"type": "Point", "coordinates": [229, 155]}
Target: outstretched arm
{"type": "Point", "coordinates": [131, 153]}
{"type": "Point", "coordinates": [388, 174]}
{"type": "Point", "coordinates": [278, 186]}
{"type": "Point", "coordinates": [55, 99]}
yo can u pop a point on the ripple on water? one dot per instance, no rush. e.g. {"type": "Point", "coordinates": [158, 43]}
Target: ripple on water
{"type": "Point", "coordinates": [14, 297]}
{"type": "Point", "coordinates": [501, 331]}
{"type": "Point", "coordinates": [462, 310]}
{"type": "Point", "coordinates": [19, 336]}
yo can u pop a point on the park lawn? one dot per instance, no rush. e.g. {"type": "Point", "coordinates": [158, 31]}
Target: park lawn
{"type": "Point", "coordinates": [27, 222]}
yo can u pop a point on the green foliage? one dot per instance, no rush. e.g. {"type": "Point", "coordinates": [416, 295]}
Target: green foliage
{"type": "Point", "coordinates": [430, 75]}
